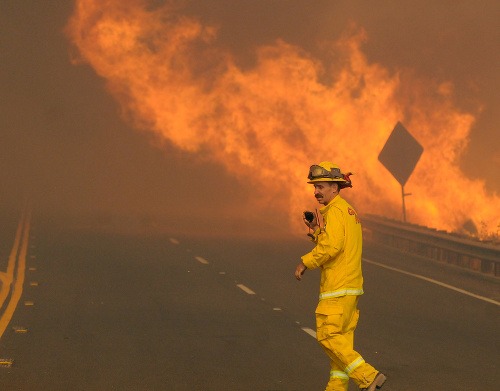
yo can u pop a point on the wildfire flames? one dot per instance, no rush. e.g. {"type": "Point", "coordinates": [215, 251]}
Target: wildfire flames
{"type": "Point", "coordinates": [267, 124]}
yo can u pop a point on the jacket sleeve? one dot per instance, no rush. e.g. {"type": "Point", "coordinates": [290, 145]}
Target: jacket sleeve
{"type": "Point", "coordinates": [329, 243]}
{"type": "Point", "coordinates": [315, 235]}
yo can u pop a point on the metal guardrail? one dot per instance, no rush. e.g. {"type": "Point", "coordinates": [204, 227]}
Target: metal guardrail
{"type": "Point", "coordinates": [433, 244]}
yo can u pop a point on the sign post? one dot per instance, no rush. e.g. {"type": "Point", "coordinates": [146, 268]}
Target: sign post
{"type": "Point", "coordinates": [400, 155]}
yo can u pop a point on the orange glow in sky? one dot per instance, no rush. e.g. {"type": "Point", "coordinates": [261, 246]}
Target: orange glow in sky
{"type": "Point", "coordinates": [267, 123]}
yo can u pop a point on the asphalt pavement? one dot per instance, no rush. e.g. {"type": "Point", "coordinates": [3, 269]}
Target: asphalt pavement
{"type": "Point", "coordinates": [105, 311]}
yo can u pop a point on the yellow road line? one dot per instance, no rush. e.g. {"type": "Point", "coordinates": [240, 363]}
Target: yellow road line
{"type": "Point", "coordinates": [17, 288]}
{"type": "Point", "coordinates": [8, 276]}
{"type": "Point", "coordinates": [6, 362]}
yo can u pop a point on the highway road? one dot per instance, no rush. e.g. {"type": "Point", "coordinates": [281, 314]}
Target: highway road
{"type": "Point", "coordinates": [100, 311]}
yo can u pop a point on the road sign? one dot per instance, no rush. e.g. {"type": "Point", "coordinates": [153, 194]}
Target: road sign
{"type": "Point", "coordinates": [401, 153]}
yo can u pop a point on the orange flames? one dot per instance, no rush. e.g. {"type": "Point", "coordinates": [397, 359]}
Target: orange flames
{"type": "Point", "coordinates": [267, 124]}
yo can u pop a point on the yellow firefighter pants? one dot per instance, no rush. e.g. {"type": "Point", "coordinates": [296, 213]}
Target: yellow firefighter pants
{"type": "Point", "coordinates": [336, 320]}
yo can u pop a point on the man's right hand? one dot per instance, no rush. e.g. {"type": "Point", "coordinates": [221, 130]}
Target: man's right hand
{"type": "Point", "coordinates": [299, 270]}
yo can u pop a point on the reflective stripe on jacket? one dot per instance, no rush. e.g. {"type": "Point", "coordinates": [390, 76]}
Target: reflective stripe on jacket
{"type": "Point", "coordinates": [338, 251]}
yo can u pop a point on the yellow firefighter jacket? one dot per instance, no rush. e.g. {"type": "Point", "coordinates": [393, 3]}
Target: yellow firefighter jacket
{"type": "Point", "coordinates": [338, 251]}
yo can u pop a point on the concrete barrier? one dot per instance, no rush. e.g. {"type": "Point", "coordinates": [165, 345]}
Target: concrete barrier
{"type": "Point", "coordinates": [436, 245]}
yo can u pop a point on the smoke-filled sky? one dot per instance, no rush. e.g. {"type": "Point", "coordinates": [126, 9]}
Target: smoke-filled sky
{"type": "Point", "coordinates": [70, 139]}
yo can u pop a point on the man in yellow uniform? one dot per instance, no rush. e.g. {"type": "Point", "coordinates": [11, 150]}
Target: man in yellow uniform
{"type": "Point", "coordinates": [338, 254]}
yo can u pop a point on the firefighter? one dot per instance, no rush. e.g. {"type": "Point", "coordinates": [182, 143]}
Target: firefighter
{"type": "Point", "coordinates": [338, 254]}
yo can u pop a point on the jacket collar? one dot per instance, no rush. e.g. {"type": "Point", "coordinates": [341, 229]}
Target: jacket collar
{"type": "Point", "coordinates": [334, 201]}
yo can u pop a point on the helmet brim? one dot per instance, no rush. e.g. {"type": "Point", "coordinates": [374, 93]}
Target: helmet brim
{"type": "Point", "coordinates": [326, 180]}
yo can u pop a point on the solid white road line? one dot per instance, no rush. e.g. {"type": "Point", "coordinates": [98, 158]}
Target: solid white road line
{"type": "Point", "coordinates": [245, 289]}
{"type": "Point", "coordinates": [309, 331]}
{"type": "Point", "coordinates": [453, 288]}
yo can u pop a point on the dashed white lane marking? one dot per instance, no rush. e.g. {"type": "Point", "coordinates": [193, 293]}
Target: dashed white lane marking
{"type": "Point", "coordinates": [245, 289]}
{"type": "Point", "coordinates": [201, 260]}
{"type": "Point", "coordinates": [453, 288]}
{"type": "Point", "coordinates": [309, 331]}
{"type": "Point", "coordinates": [174, 241]}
